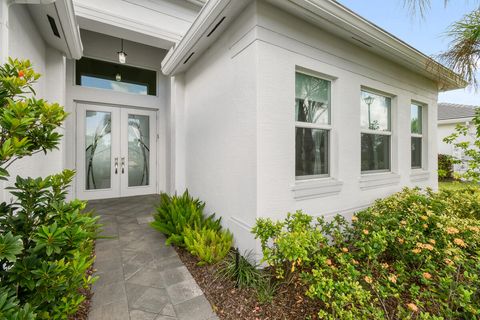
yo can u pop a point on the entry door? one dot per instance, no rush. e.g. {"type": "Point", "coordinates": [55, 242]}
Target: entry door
{"type": "Point", "coordinates": [116, 152]}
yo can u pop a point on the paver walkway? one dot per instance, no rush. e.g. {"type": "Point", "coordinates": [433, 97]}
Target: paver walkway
{"type": "Point", "coordinates": [140, 277]}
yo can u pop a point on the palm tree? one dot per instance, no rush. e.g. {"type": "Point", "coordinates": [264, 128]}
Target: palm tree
{"type": "Point", "coordinates": [463, 53]}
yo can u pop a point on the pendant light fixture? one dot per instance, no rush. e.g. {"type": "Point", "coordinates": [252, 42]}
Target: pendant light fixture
{"type": "Point", "coordinates": [122, 56]}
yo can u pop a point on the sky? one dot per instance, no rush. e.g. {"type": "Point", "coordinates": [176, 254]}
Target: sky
{"type": "Point", "coordinates": [426, 35]}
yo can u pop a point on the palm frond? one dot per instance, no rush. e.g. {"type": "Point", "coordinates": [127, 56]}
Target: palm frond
{"type": "Point", "coordinates": [463, 54]}
{"type": "Point", "coordinates": [418, 6]}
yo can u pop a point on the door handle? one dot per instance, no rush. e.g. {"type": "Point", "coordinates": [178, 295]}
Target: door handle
{"type": "Point", "coordinates": [116, 165]}
{"type": "Point", "coordinates": [123, 165]}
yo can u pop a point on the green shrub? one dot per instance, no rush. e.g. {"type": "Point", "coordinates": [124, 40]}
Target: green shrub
{"type": "Point", "coordinates": [295, 241]}
{"type": "Point", "coordinates": [46, 246]}
{"type": "Point", "coordinates": [45, 242]}
{"type": "Point", "coordinates": [463, 202]}
{"type": "Point", "coordinates": [413, 255]}
{"type": "Point", "coordinates": [246, 274]}
{"type": "Point", "coordinates": [445, 167]}
{"type": "Point", "coordinates": [175, 213]}
{"type": "Point", "coordinates": [209, 245]}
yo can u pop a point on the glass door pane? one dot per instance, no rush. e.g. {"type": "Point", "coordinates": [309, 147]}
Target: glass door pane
{"type": "Point", "coordinates": [138, 150]}
{"type": "Point", "coordinates": [98, 150]}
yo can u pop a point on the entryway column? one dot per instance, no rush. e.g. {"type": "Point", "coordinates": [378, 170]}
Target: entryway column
{"type": "Point", "coordinates": [177, 134]}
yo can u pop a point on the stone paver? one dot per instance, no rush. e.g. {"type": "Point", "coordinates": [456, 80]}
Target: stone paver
{"type": "Point", "coordinates": [139, 277]}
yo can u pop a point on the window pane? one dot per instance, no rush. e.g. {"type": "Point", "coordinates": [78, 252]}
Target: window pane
{"type": "Point", "coordinates": [312, 99]}
{"type": "Point", "coordinates": [98, 145]}
{"type": "Point", "coordinates": [311, 152]}
{"type": "Point", "coordinates": [416, 152]}
{"type": "Point", "coordinates": [113, 76]}
{"type": "Point", "coordinates": [375, 111]}
{"type": "Point", "coordinates": [375, 152]}
{"type": "Point", "coordinates": [138, 150]}
{"type": "Point", "coordinates": [416, 119]}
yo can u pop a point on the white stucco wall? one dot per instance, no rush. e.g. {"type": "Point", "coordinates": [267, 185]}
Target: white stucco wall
{"type": "Point", "coordinates": [221, 117]}
{"type": "Point", "coordinates": [240, 141]}
{"type": "Point", "coordinates": [286, 43]}
{"type": "Point", "coordinates": [446, 128]}
{"type": "Point", "coordinates": [25, 42]}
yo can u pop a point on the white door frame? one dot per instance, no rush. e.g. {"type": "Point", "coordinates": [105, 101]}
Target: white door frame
{"type": "Point", "coordinates": [119, 151]}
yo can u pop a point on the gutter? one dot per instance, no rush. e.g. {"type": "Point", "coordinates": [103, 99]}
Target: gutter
{"type": "Point", "coordinates": [68, 21]}
{"type": "Point", "coordinates": [376, 34]}
{"type": "Point", "coordinates": [194, 41]}
{"type": "Point", "coordinates": [455, 120]}
{"type": "Point", "coordinates": [183, 52]}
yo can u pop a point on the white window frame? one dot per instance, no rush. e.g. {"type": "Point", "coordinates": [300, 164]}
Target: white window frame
{"type": "Point", "coordinates": [378, 132]}
{"type": "Point", "coordinates": [418, 135]}
{"type": "Point", "coordinates": [309, 125]}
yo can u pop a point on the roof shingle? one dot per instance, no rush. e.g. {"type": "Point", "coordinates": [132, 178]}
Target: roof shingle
{"type": "Point", "coordinates": [447, 111]}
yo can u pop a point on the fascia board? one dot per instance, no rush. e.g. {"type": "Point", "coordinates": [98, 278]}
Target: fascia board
{"type": "Point", "coordinates": [68, 21]}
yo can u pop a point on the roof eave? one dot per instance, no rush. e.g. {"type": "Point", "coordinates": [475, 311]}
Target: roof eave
{"type": "Point", "coordinates": [66, 13]}
{"type": "Point", "coordinates": [180, 53]}
{"type": "Point", "coordinates": [454, 120]}
{"type": "Point", "coordinates": [397, 49]}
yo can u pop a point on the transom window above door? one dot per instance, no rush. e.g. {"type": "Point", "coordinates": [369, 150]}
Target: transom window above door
{"type": "Point", "coordinates": [312, 126]}
{"type": "Point", "coordinates": [117, 77]}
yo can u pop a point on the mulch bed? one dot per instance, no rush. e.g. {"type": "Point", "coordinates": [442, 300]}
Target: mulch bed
{"type": "Point", "coordinates": [229, 302]}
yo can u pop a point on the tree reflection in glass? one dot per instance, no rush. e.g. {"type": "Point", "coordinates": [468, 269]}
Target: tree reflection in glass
{"type": "Point", "coordinates": [312, 109]}
{"type": "Point", "coordinates": [138, 150]}
{"type": "Point", "coordinates": [98, 150]}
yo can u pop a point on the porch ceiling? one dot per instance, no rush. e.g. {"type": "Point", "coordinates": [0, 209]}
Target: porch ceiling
{"type": "Point", "coordinates": [158, 23]}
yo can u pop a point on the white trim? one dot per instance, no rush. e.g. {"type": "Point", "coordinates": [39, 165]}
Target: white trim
{"type": "Point", "coordinates": [191, 45]}
{"type": "Point", "coordinates": [90, 13]}
{"type": "Point", "coordinates": [68, 20]}
{"type": "Point", "coordinates": [382, 133]}
{"type": "Point", "coordinates": [339, 17]}
{"type": "Point", "coordinates": [300, 124]}
{"type": "Point", "coordinates": [457, 120]}
{"type": "Point", "coordinates": [376, 180]}
{"type": "Point", "coordinates": [326, 127]}
{"type": "Point", "coordinates": [349, 24]}
{"type": "Point", "coordinates": [419, 175]}
{"type": "Point", "coordinates": [316, 188]}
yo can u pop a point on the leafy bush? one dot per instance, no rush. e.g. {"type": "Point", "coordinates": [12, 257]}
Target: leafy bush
{"type": "Point", "coordinates": [462, 203]}
{"type": "Point", "coordinates": [295, 241]}
{"type": "Point", "coordinates": [410, 255]}
{"type": "Point", "coordinates": [46, 247]}
{"type": "Point", "coordinates": [175, 213]}
{"type": "Point", "coordinates": [45, 242]}
{"type": "Point", "coordinates": [445, 167]}
{"type": "Point", "coordinates": [27, 125]}
{"type": "Point", "coordinates": [209, 245]}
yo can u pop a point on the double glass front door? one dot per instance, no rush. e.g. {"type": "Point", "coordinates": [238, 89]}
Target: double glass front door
{"type": "Point", "coordinates": [116, 152]}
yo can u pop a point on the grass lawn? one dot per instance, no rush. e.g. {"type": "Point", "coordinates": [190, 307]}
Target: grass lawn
{"type": "Point", "coordinates": [453, 185]}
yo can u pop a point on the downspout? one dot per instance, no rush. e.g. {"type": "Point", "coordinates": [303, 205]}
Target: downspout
{"type": "Point", "coordinates": [4, 22]}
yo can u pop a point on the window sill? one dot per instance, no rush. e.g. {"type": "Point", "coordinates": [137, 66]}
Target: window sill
{"type": "Point", "coordinates": [378, 180]}
{"type": "Point", "coordinates": [419, 175]}
{"type": "Point", "coordinates": [316, 188]}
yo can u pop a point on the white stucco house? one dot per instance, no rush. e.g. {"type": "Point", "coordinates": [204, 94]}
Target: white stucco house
{"type": "Point", "coordinates": [258, 107]}
{"type": "Point", "coordinates": [449, 116]}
